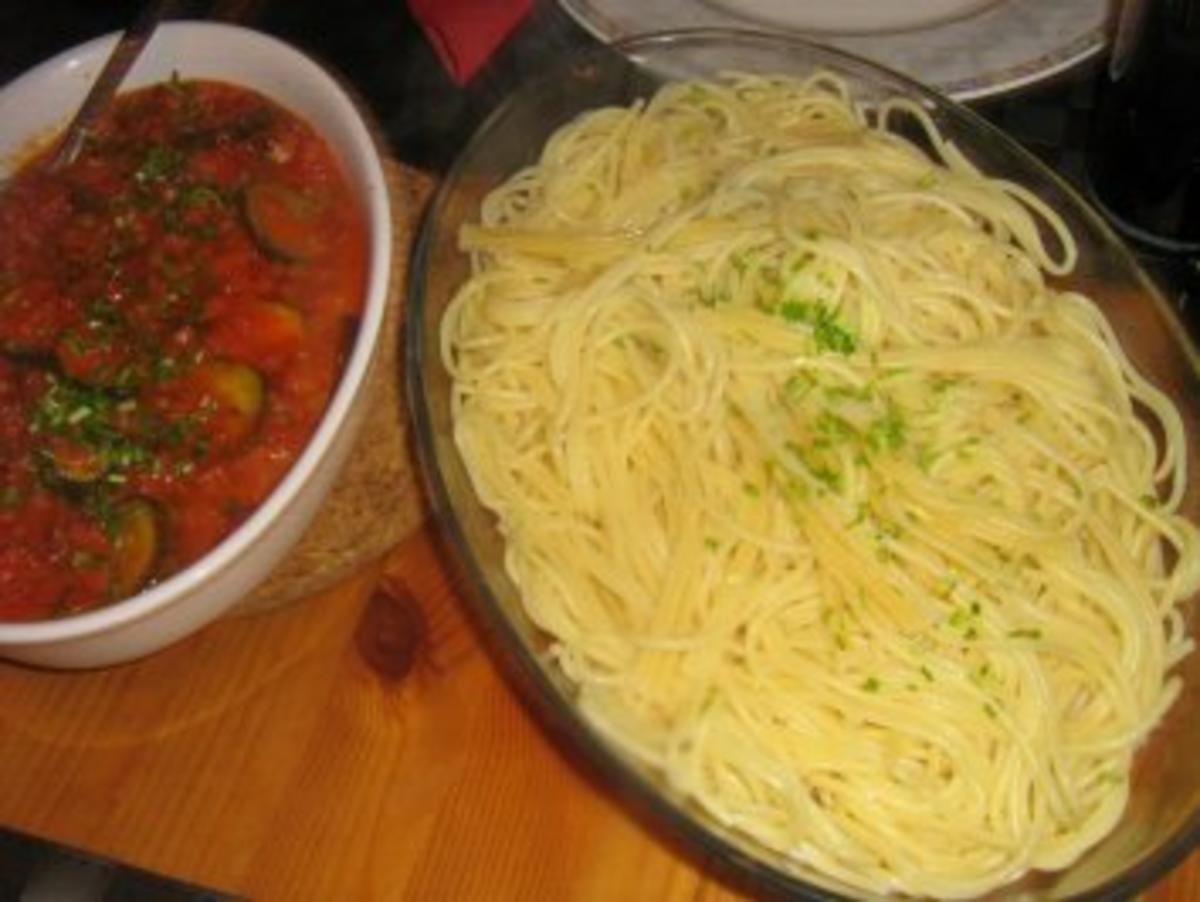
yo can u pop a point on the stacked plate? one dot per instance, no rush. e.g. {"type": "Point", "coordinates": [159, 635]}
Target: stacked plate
{"type": "Point", "coordinates": [965, 48]}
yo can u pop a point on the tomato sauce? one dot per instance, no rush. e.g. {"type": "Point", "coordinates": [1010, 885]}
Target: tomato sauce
{"type": "Point", "coordinates": [174, 310]}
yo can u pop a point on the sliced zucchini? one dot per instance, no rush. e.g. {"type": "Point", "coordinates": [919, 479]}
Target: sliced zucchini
{"type": "Point", "coordinates": [240, 395]}
{"type": "Point", "coordinates": [284, 222]}
{"type": "Point", "coordinates": [135, 547]}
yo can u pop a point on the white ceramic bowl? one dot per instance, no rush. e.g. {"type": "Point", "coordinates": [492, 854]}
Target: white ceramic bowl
{"type": "Point", "coordinates": [35, 105]}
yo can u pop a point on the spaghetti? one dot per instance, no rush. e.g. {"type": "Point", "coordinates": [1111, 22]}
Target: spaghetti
{"type": "Point", "coordinates": [837, 512]}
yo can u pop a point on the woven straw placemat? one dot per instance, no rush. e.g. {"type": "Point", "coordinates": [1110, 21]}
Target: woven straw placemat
{"type": "Point", "coordinates": [376, 501]}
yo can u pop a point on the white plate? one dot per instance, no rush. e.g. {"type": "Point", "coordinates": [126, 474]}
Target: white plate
{"type": "Point", "coordinates": [851, 15]}
{"type": "Point", "coordinates": [998, 49]}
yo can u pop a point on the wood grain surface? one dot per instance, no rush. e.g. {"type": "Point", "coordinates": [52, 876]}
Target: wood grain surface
{"type": "Point", "coordinates": [353, 745]}
{"type": "Point", "coordinates": [266, 757]}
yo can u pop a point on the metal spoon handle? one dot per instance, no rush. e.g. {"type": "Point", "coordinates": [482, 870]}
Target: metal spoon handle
{"type": "Point", "coordinates": [116, 67]}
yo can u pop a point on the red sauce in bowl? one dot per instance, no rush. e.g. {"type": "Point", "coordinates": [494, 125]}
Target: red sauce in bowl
{"type": "Point", "coordinates": [174, 310]}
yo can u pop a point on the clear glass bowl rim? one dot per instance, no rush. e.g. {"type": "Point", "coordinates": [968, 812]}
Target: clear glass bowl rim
{"type": "Point", "coordinates": [520, 666]}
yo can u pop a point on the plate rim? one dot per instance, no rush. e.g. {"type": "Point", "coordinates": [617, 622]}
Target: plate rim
{"type": "Point", "coordinates": [594, 17]}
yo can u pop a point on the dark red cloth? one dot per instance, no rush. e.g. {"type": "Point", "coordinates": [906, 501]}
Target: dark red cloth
{"type": "Point", "coordinates": [465, 33]}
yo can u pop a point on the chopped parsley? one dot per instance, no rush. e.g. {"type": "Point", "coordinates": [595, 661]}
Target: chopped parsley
{"type": "Point", "coordinates": [798, 386]}
{"type": "Point", "coordinates": [1025, 633]}
{"type": "Point", "coordinates": [835, 426]}
{"type": "Point", "coordinates": [92, 423]}
{"type": "Point", "coordinates": [960, 618]}
{"type": "Point", "coordinates": [828, 333]}
{"type": "Point", "coordinates": [889, 432]}
{"type": "Point", "coordinates": [159, 164]}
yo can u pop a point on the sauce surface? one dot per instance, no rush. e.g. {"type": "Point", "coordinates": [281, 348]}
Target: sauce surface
{"type": "Point", "coordinates": [174, 310]}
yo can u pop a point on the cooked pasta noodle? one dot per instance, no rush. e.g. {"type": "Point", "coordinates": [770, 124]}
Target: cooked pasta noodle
{"type": "Point", "coordinates": [836, 511]}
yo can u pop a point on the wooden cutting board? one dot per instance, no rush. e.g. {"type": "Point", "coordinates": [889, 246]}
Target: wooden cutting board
{"type": "Point", "coordinates": [346, 746]}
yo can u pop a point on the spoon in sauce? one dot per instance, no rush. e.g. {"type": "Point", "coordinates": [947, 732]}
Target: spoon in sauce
{"type": "Point", "coordinates": [128, 48]}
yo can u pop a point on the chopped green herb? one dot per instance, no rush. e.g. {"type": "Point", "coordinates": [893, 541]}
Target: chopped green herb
{"type": "Point", "coordinates": [1029, 633]}
{"type": "Point", "coordinates": [796, 311]}
{"type": "Point", "coordinates": [889, 529]}
{"type": "Point", "coordinates": [828, 333]}
{"type": "Point", "coordinates": [199, 196]}
{"type": "Point", "coordinates": [834, 426]}
{"type": "Point", "coordinates": [87, 417]}
{"type": "Point", "coordinates": [870, 684]}
{"type": "Point", "coordinates": [101, 312]}
{"type": "Point", "coordinates": [889, 432]}
{"type": "Point", "coordinates": [164, 367]}
{"type": "Point", "coordinates": [827, 476]}
{"type": "Point", "coordinates": [834, 337]}
{"type": "Point", "coordinates": [849, 393]}
{"type": "Point", "coordinates": [960, 618]}
{"type": "Point", "coordinates": [161, 162]}
{"type": "Point", "coordinates": [800, 262]}
{"type": "Point", "coordinates": [798, 386]}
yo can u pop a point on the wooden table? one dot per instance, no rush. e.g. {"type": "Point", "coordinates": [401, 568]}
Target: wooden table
{"type": "Point", "coordinates": [266, 758]}
{"type": "Point", "coordinates": [341, 747]}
